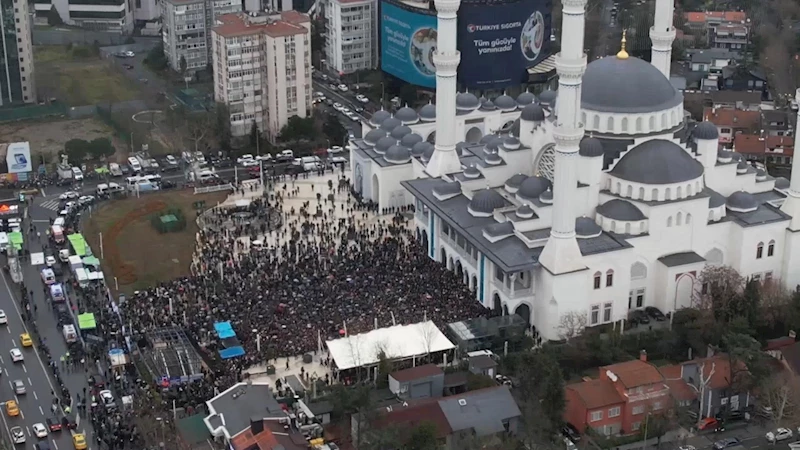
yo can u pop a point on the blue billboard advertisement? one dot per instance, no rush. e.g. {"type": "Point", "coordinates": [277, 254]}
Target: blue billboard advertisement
{"type": "Point", "coordinates": [500, 41]}
{"type": "Point", "coordinates": [408, 40]}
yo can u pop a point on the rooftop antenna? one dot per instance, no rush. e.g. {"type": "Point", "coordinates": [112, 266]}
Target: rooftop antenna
{"type": "Point", "coordinates": [623, 53]}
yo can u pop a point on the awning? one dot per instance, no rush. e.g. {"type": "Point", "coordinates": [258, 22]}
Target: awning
{"type": "Point", "coordinates": [15, 237]}
{"type": "Point", "coordinates": [91, 261]}
{"type": "Point", "coordinates": [243, 203]}
{"type": "Point", "coordinates": [546, 65]}
{"type": "Point", "coordinates": [86, 321]}
{"type": "Point", "coordinates": [79, 245]}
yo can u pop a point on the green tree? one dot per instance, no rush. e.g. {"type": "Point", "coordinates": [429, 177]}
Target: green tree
{"type": "Point", "coordinates": [540, 393]}
{"type": "Point", "coordinates": [384, 364]}
{"type": "Point", "coordinates": [100, 148]}
{"type": "Point", "coordinates": [54, 18]}
{"type": "Point", "coordinates": [76, 151]}
{"type": "Point", "coordinates": [183, 65]}
{"type": "Point", "coordinates": [156, 59]}
{"type": "Point", "coordinates": [749, 366]}
{"type": "Point", "coordinates": [334, 130]}
{"type": "Point", "coordinates": [298, 128]}
{"type": "Point", "coordinates": [423, 437]}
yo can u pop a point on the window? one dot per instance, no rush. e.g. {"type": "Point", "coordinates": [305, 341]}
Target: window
{"type": "Point", "coordinates": [635, 426]}
{"type": "Point", "coordinates": [657, 405]}
{"type": "Point", "coordinates": [596, 415]}
{"type": "Point", "coordinates": [614, 412]}
{"type": "Point", "coordinates": [768, 276]}
{"type": "Point", "coordinates": [756, 277]}
{"type": "Point", "coordinates": [637, 410]}
{"type": "Point", "coordinates": [595, 314]}
{"type": "Point", "coordinates": [609, 278]}
{"type": "Point", "coordinates": [639, 295]}
{"type": "Point", "coordinates": [669, 221]}
{"type": "Point", "coordinates": [597, 280]}
{"type": "Point", "coordinates": [760, 250]}
{"type": "Point", "coordinates": [607, 312]}
{"type": "Point", "coordinates": [771, 248]}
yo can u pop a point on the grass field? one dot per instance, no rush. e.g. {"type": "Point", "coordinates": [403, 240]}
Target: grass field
{"type": "Point", "coordinates": [76, 76]}
{"type": "Point", "coordinates": [152, 257]}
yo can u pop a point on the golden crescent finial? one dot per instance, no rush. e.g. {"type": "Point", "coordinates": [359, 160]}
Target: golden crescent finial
{"type": "Point", "coordinates": [623, 54]}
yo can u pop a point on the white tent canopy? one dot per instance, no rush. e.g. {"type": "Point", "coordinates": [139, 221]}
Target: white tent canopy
{"type": "Point", "coordinates": [397, 342]}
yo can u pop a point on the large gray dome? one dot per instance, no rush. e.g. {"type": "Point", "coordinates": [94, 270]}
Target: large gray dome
{"type": "Point", "coordinates": [591, 147]}
{"type": "Point", "coordinates": [532, 113]}
{"type": "Point", "coordinates": [525, 98]}
{"type": "Point", "coordinates": [706, 130]}
{"type": "Point", "coordinates": [466, 101]}
{"type": "Point", "coordinates": [397, 155]}
{"type": "Point", "coordinates": [626, 85]}
{"type": "Point", "coordinates": [782, 183]}
{"type": "Point", "coordinates": [410, 140]}
{"type": "Point", "coordinates": [586, 228]}
{"type": "Point", "coordinates": [620, 210]}
{"type": "Point", "coordinates": [390, 124]}
{"type": "Point", "coordinates": [378, 117]}
{"type": "Point", "coordinates": [532, 188]}
{"type": "Point", "coordinates": [420, 147]}
{"type": "Point", "coordinates": [400, 131]}
{"type": "Point", "coordinates": [373, 136]}
{"type": "Point", "coordinates": [384, 143]}
{"type": "Point", "coordinates": [548, 97]}
{"type": "Point", "coordinates": [505, 103]}
{"type": "Point", "coordinates": [741, 201]}
{"type": "Point", "coordinates": [427, 113]}
{"type": "Point", "coordinates": [406, 115]}
{"type": "Point", "coordinates": [486, 201]}
{"type": "Point", "coordinates": [657, 162]}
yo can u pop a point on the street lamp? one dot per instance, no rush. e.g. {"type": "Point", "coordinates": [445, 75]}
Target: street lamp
{"type": "Point", "coordinates": [644, 439]}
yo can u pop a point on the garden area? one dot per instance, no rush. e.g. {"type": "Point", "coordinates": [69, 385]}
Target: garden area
{"type": "Point", "coordinates": [137, 252]}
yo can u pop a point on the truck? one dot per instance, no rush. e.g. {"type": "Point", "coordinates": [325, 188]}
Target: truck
{"type": "Point", "coordinates": [64, 173]}
{"type": "Point", "coordinates": [144, 161]}
{"type": "Point", "coordinates": [57, 233]}
{"type": "Point", "coordinates": [70, 335]}
{"type": "Point", "coordinates": [114, 170]}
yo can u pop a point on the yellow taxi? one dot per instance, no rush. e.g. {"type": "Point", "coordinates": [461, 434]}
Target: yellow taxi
{"type": "Point", "coordinates": [79, 441]}
{"type": "Point", "coordinates": [26, 340]}
{"type": "Point", "coordinates": [11, 408]}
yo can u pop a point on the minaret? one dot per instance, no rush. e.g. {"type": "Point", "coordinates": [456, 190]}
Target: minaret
{"type": "Point", "coordinates": [446, 58]}
{"type": "Point", "coordinates": [791, 205]}
{"type": "Point", "coordinates": [663, 34]}
{"type": "Point", "coordinates": [561, 253]}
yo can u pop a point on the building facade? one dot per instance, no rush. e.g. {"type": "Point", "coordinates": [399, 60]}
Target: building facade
{"type": "Point", "coordinates": [116, 16]}
{"type": "Point", "coordinates": [351, 35]}
{"type": "Point", "coordinates": [17, 84]}
{"type": "Point", "coordinates": [187, 28]}
{"type": "Point", "coordinates": [262, 69]}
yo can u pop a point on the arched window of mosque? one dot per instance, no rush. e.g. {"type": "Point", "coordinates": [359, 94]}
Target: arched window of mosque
{"type": "Point", "coordinates": [596, 122]}
{"type": "Point", "coordinates": [679, 219]}
{"type": "Point", "coordinates": [711, 215]}
{"type": "Point", "coordinates": [688, 219]}
{"type": "Point", "coordinates": [699, 186]}
{"type": "Point", "coordinates": [610, 123]}
{"type": "Point", "coordinates": [667, 194]}
{"type": "Point", "coordinates": [689, 190]}
{"type": "Point", "coordinates": [652, 123]}
{"type": "Point", "coordinates": [669, 221]}
{"type": "Point", "coordinates": [639, 124]}
{"type": "Point", "coordinates": [619, 187]}
{"type": "Point", "coordinates": [628, 228]}
{"type": "Point", "coordinates": [641, 226]}
{"type": "Point", "coordinates": [674, 117]}
{"type": "Point", "coordinates": [641, 193]}
{"type": "Point", "coordinates": [597, 278]}
{"type": "Point", "coordinates": [759, 250]}
{"type": "Point", "coordinates": [654, 194]}
{"type": "Point", "coordinates": [614, 225]}
{"type": "Point", "coordinates": [609, 278]}
{"type": "Point", "coordinates": [583, 117]}
{"type": "Point", "coordinates": [624, 124]}
{"type": "Point", "coordinates": [664, 120]}
{"type": "Point", "coordinates": [679, 192]}
{"type": "Point", "coordinates": [771, 248]}
{"type": "Point", "coordinates": [630, 191]}
{"type": "Point", "coordinates": [638, 271]}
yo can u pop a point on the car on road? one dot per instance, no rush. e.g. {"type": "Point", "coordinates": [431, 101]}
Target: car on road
{"type": "Point", "coordinates": [108, 399]}
{"type": "Point", "coordinates": [329, 102]}
{"type": "Point", "coordinates": [16, 355]}
{"type": "Point", "coordinates": [345, 110]}
{"type": "Point", "coordinates": [342, 88]}
{"type": "Point", "coordinates": [781, 434]}
{"type": "Point", "coordinates": [332, 87]}
{"type": "Point", "coordinates": [39, 430]}
{"type": "Point", "coordinates": [334, 160]}
{"type": "Point", "coordinates": [362, 98]}
{"type": "Point", "coordinates": [86, 200]}
{"type": "Point", "coordinates": [338, 107]}
{"type": "Point", "coordinates": [655, 314]}
{"type": "Point", "coordinates": [249, 163]}
{"type": "Point", "coordinates": [69, 195]}
{"type": "Point", "coordinates": [26, 340]}
{"type": "Point", "coordinates": [53, 424]}
{"type": "Point", "coordinates": [353, 117]}
{"type": "Point", "coordinates": [41, 446]}
{"type": "Point", "coordinates": [245, 157]}
{"type": "Point", "coordinates": [722, 444]}
{"type": "Point", "coordinates": [570, 432]}
{"type": "Point", "coordinates": [79, 441]}
{"type": "Point", "coordinates": [18, 435]}
{"type": "Point", "coordinates": [3, 317]}
{"type": "Point", "coordinates": [335, 149]}
{"type": "Point", "coordinates": [731, 416]}
{"type": "Point", "coordinates": [171, 160]}
{"type": "Point", "coordinates": [19, 387]}
{"type": "Point", "coordinates": [687, 447]}
{"type": "Point", "coordinates": [708, 423]}
{"type": "Point", "coordinates": [11, 408]}
{"type": "Point", "coordinates": [638, 316]}
{"type": "Point", "coordinates": [358, 109]}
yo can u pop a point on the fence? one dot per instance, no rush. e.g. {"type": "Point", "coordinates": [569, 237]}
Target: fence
{"type": "Point", "coordinates": [215, 188]}
{"type": "Point", "coordinates": [32, 112]}
{"type": "Point", "coordinates": [77, 36]}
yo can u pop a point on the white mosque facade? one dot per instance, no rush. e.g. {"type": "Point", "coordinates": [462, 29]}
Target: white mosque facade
{"type": "Point", "coordinates": [595, 200]}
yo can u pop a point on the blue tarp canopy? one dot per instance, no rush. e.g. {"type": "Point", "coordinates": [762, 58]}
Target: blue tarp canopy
{"type": "Point", "coordinates": [230, 343]}
{"type": "Point", "coordinates": [232, 352]}
{"type": "Point", "coordinates": [224, 330]}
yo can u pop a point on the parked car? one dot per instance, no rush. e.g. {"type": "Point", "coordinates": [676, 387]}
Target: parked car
{"type": "Point", "coordinates": [655, 313]}
{"type": "Point", "coordinates": [708, 423]}
{"type": "Point", "coordinates": [361, 98]}
{"type": "Point", "coordinates": [570, 432]}
{"type": "Point", "coordinates": [731, 416]}
{"type": "Point", "coordinates": [722, 444]}
{"type": "Point", "coordinates": [638, 316]}
{"type": "Point", "coordinates": [781, 434]}
{"type": "Point", "coordinates": [342, 88]}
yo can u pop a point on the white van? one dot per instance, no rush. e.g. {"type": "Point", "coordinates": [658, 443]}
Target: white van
{"type": "Point", "coordinates": [205, 176]}
{"type": "Point", "coordinates": [309, 163]}
{"type": "Point", "coordinates": [114, 170]}
{"type": "Point", "coordinates": [59, 222]}
{"type": "Point", "coordinates": [77, 174]}
{"type": "Point", "coordinates": [134, 163]}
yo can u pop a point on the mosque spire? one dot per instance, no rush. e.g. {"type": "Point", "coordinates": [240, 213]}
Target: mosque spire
{"type": "Point", "coordinates": [623, 53]}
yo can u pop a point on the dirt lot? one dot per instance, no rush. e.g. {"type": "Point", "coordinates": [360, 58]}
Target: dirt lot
{"type": "Point", "coordinates": [147, 255]}
{"type": "Point", "coordinates": [48, 138]}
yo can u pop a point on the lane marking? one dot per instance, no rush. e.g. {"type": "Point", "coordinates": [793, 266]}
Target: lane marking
{"type": "Point", "coordinates": [55, 445]}
{"type": "Point", "coordinates": [25, 369]}
{"type": "Point", "coordinates": [37, 398]}
{"type": "Point", "coordinates": [13, 342]}
{"type": "Point", "coordinates": [29, 381]}
{"type": "Point", "coordinates": [41, 411]}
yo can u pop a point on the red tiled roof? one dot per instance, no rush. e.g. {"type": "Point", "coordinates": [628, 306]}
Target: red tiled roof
{"type": "Point", "coordinates": [634, 373]}
{"type": "Point", "coordinates": [695, 17]}
{"type": "Point", "coordinates": [596, 393]}
{"type": "Point", "coordinates": [412, 416]}
{"type": "Point", "coordinates": [730, 117]}
{"type": "Point", "coordinates": [245, 440]}
{"type": "Point", "coordinates": [779, 343]}
{"type": "Point", "coordinates": [241, 25]}
{"type": "Point", "coordinates": [678, 388]}
{"type": "Point", "coordinates": [785, 142]}
{"type": "Point", "coordinates": [748, 144]}
{"type": "Point", "coordinates": [727, 16]}
{"type": "Point", "coordinates": [414, 373]}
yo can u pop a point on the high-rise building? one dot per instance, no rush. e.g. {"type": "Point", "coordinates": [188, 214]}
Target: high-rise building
{"type": "Point", "coordinates": [262, 69]}
{"type": "Point", "coordinates": [16, 54]}
{"type": "Point", "coordinates": [186, 25]}
{"type": "Point", "coordinates": [106, 15]}
{"type": "Point", "coordinates": [351, 35]}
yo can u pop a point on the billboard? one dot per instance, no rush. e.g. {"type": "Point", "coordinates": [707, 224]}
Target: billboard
{"type": "Point", "coordinates": [18, 157]}
{"type": "Point", "coordinates": [408, 40]}
{"type": "Point", "coordinates": [500, 41]}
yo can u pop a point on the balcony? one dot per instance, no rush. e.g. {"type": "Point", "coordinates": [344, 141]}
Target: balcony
{"type": "Point", "coordinates": [460, 250]}
{"type": "Point", "coordinates": [513, 288]}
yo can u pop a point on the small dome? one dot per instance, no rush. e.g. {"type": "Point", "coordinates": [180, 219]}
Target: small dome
{"type": "Point", "coordinates": [620, 210]}
{"type": "Point", "coordinates": [486, 201]}
{"type": "Point", "coordinates": [741, 202]}
{"type": "Point", "coordinates": [486, 139]}
{"type": "Point", "coordinates": [487, 105]}
{"type": "Point", "coordinates": [406, 115]}
{"type": "Point", "coordinates": [384, 143]}
{"type": "Point", "coordinates": [511, 143]}
{"type": "Point", "coordinates": [410, 140]}
{"type": "Point", "coordinates": [737, 156]}
{"type": "Point", "coordinates": [373, 136]}
{"type": "Point", "coordinates": [724, 156]}
{"type": "Point", "coordinates": [761, 175]}
{"type": "Point", "coordinates": [419, 148]}
{"type": "Point", "coordinates": [379, 117]}
{"type": "Point", "coordinates": [532, 113]}
{"type": "Point", "coordinates": [472, 172]}
{"type": "Point", "coordinates": [532, 187]}
{"type": "Point", "coordinates": [505, 103]}
{"type": "Point", "coordinates": [706, 130]}
{"type": "Point", "coordinates": [513, 183]}
{"type": "Point", "coordinates": [782, 183]}
{"type": "Point", "coordinates": [428, 153]}
{"type": "Point", "coordinates": [591, 147]}
{"type": "Point", "coordinates": [547, 197]}
{"type": "Point", "coordinates": [427, 113]}
{"type": "Point", "coordinates": [525, 99]}
{"type": "Point", "coordinates": [466, 101]}
{"type": "Point", "coordinates": [491, 147]}
{"type": "Point", "coordinates": [400, 131]}
{"type": "Point", "coordinates": [397, 155]}
{"type": "Point", "coordinates": [390, 124]}
{"type": "Point", "coordinates": [741, 167]}
{"type": "Point", "coordinates": [493, 159]}
{"type": "Point", "coordinates": [548, 97]}
{"type": "Point", "coordinates": [524, 212]}
{"type": "Point", "coordinates": [586, 228]}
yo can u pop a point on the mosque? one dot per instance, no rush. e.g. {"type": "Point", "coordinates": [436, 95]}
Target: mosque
{"type": "Point", "coordinates": [585, 203]}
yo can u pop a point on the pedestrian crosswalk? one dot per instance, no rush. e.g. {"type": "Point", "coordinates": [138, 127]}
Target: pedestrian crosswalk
{"type": "Point", "coordinates": [52, 204]}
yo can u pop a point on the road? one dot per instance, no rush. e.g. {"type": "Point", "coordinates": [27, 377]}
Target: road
{"type": "Point", "coordinates": [346, 100]}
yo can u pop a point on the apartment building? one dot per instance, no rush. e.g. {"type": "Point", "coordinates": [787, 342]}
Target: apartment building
{"type": "Point", "coordinates": [262, 69]}
{"type": "Point", "coordinates": [351, 35]}
{"type": "Point", "coordinates": [115, 16]}
{"type": "Point", "coordinates": [16, 58]}
{"type": "Point", "coordinates": [186, 30]}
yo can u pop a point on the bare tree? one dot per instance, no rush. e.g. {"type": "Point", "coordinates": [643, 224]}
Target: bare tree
{"type": "Point", "coordinates": [571, 325]}
{"type": "Point", "coordinates": [428, 333]}
{"type": "Point", "coordinates": [721, 285]}
{"type": "Point", "coordinates": [702, 384]}
{"type": "Point", "coordinates": [775, 300]}
{"type": "Point", "coordinates": [781, 393]}
{"type": "Point", "coordinates": [197, 128]}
